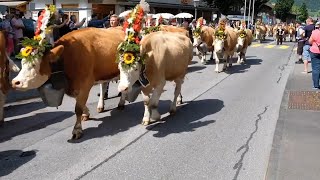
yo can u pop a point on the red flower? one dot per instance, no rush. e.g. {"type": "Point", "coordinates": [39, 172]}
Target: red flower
{"type": "Point", "coordinates": [137, 40]}
{"type": "Point", "coordinates": [137, 27]}
{"type": "Point", "coordinates": [125, 25]}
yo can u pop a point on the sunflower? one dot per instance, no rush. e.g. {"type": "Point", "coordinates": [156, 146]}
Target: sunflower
{"type": "Point", "coordinates": [128, 58]}
{"type": "Point", "coordinates": [27, 51]}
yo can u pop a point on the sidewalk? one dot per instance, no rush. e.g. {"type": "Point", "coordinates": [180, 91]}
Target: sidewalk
{"type": "Point", "coordinates": [296, 146]}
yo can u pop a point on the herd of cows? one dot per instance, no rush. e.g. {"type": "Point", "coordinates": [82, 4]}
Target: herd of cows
{"type": "Point", "coordinates": [167, 52]}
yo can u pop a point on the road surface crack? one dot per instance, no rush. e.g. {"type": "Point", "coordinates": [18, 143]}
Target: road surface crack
{"type": "Point", "coordinates": [282, 67]}
{"type": "Point", "coordinates": [246, 146]}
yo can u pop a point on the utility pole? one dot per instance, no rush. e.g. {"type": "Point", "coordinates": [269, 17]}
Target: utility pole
{"type": "Point", "coordinates": [54, 2]}
{"type": "Point", "coordinates": [249, 13]}
{"type": "Point", "coordinates": [245, 9]}
{"type": "Point", "coordinates": [252, 12]}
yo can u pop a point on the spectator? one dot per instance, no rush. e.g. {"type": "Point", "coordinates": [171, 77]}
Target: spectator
{"type": "Point", "coordinates": [58, 24]}
{"type": "Point", "coordinates": [18, 27]}
{"type": "Point", "coordinates": [95, 22]}
{"type": "Point", "coordinates": [29, 24]}
{"type": "Point", "coordinates": [65, 29]}
{"type": "Point", "coordinates": [307, 33]}
{"type": "Point", "coordinates": [299, 38]}
{"type": "Point", "coordinates": [280, 33]}
{"type": "Point", "coordinates": [9, 33]}
{"type": "Point", "coordinates": [73, 25]}
{"type": "Point", "coordinates": [114, 20]}
{"type": "Point", "coordinates": [314, 41]}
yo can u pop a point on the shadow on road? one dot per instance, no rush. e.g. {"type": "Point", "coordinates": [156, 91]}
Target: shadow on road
{"type": "Point", "coordinates": [242, 68]}
{"type": "Point", "coordinates": [28, 124]}
{"type": "Point", "coordinates": [183, 121]}
{"type": "Point", "coordinates": [195, 68]}
{"type": "Point", "coordinates": [187, 117]}
{"type": "Point", "coordinates": [13, 159]}
{"type": "Point", "coordinates": [16, 110]}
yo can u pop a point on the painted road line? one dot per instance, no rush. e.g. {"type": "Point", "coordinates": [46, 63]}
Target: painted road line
{"type": "Point", "coordinates": [270, 46]}
{"type": "Point", "coordinates": [256, 45]}
{"type": "Point", "coordinates": [284, 47]}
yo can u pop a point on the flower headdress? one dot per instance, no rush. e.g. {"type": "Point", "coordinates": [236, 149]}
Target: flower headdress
{"type": "Point", "coordinates": [150, 29]}
{"type": "Point", "coordinates": [220, 32]}
{"type": "Point", "coordinates": [199, 25]}
{"type": "Point", "coordinates": [129, 50]}
{"type": "Point", "coordinates": [35, 48]}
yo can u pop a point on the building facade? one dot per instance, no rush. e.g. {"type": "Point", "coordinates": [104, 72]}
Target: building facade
{"type": "Point", "coordinates": [84, 8]}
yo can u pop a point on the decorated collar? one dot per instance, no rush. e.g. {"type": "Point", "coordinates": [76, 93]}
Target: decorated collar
{"type": "Point", "coordinates": [242, 33]}
{"type": "Point", "coordinates": [35, 48]}
{"type": "Point", "coordinates": [220, 32]}
{"type": "Point", "coordinates": [129, 50]}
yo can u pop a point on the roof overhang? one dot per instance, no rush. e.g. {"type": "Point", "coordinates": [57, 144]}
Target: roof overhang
{"type": "Point", "coordinates": [12, 3]}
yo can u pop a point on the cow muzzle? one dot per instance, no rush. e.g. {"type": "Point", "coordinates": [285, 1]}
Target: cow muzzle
{"type": "Point", "coordinates": [16, 84]}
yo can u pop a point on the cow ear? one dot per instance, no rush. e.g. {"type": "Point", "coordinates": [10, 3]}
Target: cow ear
{"type": "Point", "coordinates": [55, 53]}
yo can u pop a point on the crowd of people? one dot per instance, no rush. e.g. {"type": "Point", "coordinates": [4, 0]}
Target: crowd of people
{"type": "Point", "coordinates": [308, 37]}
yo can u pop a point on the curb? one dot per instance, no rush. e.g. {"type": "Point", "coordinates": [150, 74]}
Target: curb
{"type": "Point", "coordinates": [272, 169]}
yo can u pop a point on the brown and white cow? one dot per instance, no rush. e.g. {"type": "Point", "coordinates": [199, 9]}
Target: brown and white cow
{"type": "Point", "coordinates": [205, 38]}
{"type": "Point", "coordinates": [167, 56]}
{"type": "Point", "coordinates": [225, 47]}
{"type": "Point", "coordinates": [244, 41]}
{"type": "Point", "coordinates": [6, 65]}
{"type": "Point", "coordinates": [88, 56]}
{"type": "Point", "coordinates": [291, 32]}
{"type": "Point", "coordinates": [260, 31]}
{"type": "Point", "coordinates": [169, 28]}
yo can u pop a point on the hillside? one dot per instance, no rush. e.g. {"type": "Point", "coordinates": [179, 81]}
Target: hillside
{"type": "Point", "coordinates": [313, 5]}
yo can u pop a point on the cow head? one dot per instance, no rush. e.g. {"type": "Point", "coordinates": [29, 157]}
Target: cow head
{"type": "Point", "coordinates": [130, 70]}
{"type": "Point", "coordinates": [197, 37]}
{"type": "Point", "coordinates": [35, 73]}
{"type": "Point", "coordinates": [241, 39]}
{"type": "Point", "coordinates": [220, 38]}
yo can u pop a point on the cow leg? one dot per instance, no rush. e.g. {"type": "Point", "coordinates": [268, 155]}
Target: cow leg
{"type": "Point", "coordinates": [243, 55]}
{"type": "Point", "coordinates": [154, 101]}
{"type": "Point", "coordinates": [122, 101]}
{"type": "Point", "coordinates": [81, 100]}
{"type": "Point", "coordinates": [203, 58]}
{"type": "Point", "coordinates": [2, 102]}
{"type": "Point", "coordinates": [146, 101]}
{"type": "Point", "coordinates": [179, 100]}
{"type": "Point", "coordinates": [100, 107]}
{"type": "Point", "coordinates": [217, 62]}
{"type": "Point", "coordinates": [177, 91]}
{"type": "Point", "coordinates": [225, 64]}
{"type": "Point", "coordinates": [239, 58]}
{"type": "Point", "coordinates": [85, 114]}
{"type": "Point", "coordinates": [211, 57]}
{"type": "Point", "coordinates": [229, 61]}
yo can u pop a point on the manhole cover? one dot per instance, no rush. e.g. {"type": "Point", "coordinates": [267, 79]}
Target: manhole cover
{"type": "Point", "coordinates": [304, 100]}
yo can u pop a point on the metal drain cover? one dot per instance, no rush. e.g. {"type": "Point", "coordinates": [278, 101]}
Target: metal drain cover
{"type": "Point", "coordinates": [304, 100]}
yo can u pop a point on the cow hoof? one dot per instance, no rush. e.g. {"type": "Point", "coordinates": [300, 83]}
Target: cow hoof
{"type": "Point", "coordinates": [179, 102]}
{"type": "Point", "coordinates": [76, 134]}
{"type": "Point", "coordinates": [173, 111]}
{"type": "Point", "coordinates": [100, 110]}
{"type": "Point", "coordinates": [145, 121]}
{"type": "Point", "coordinates": [120, 108]}
{"type": "Point", "coordinates": [85, 117]}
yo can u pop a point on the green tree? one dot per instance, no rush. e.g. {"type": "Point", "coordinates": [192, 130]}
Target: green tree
{"type": "Point", "coordinates": [283, 8]}
{"type": "Point", "coordinates": [303, 12]}
{"type": "Point", "coordinates": [295, 9]}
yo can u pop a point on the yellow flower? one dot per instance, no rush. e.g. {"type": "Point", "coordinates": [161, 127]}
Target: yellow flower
{"type": "Point", "coordinates": [37, 38]}
{"type": "Point", "coordinates": [27, 51]}
{"type": "Point", "coordinates": [128, 58]}
{"type": "Point", "coordinates": [131, 37]}
{"type": "Point", "coordinates": [52, 8]}
{"type": "Point", "coordinates": [49, 30]}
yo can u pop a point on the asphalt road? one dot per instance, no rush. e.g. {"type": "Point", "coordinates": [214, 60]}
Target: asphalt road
{"type": "Point", "coordinates": [223, 131]}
